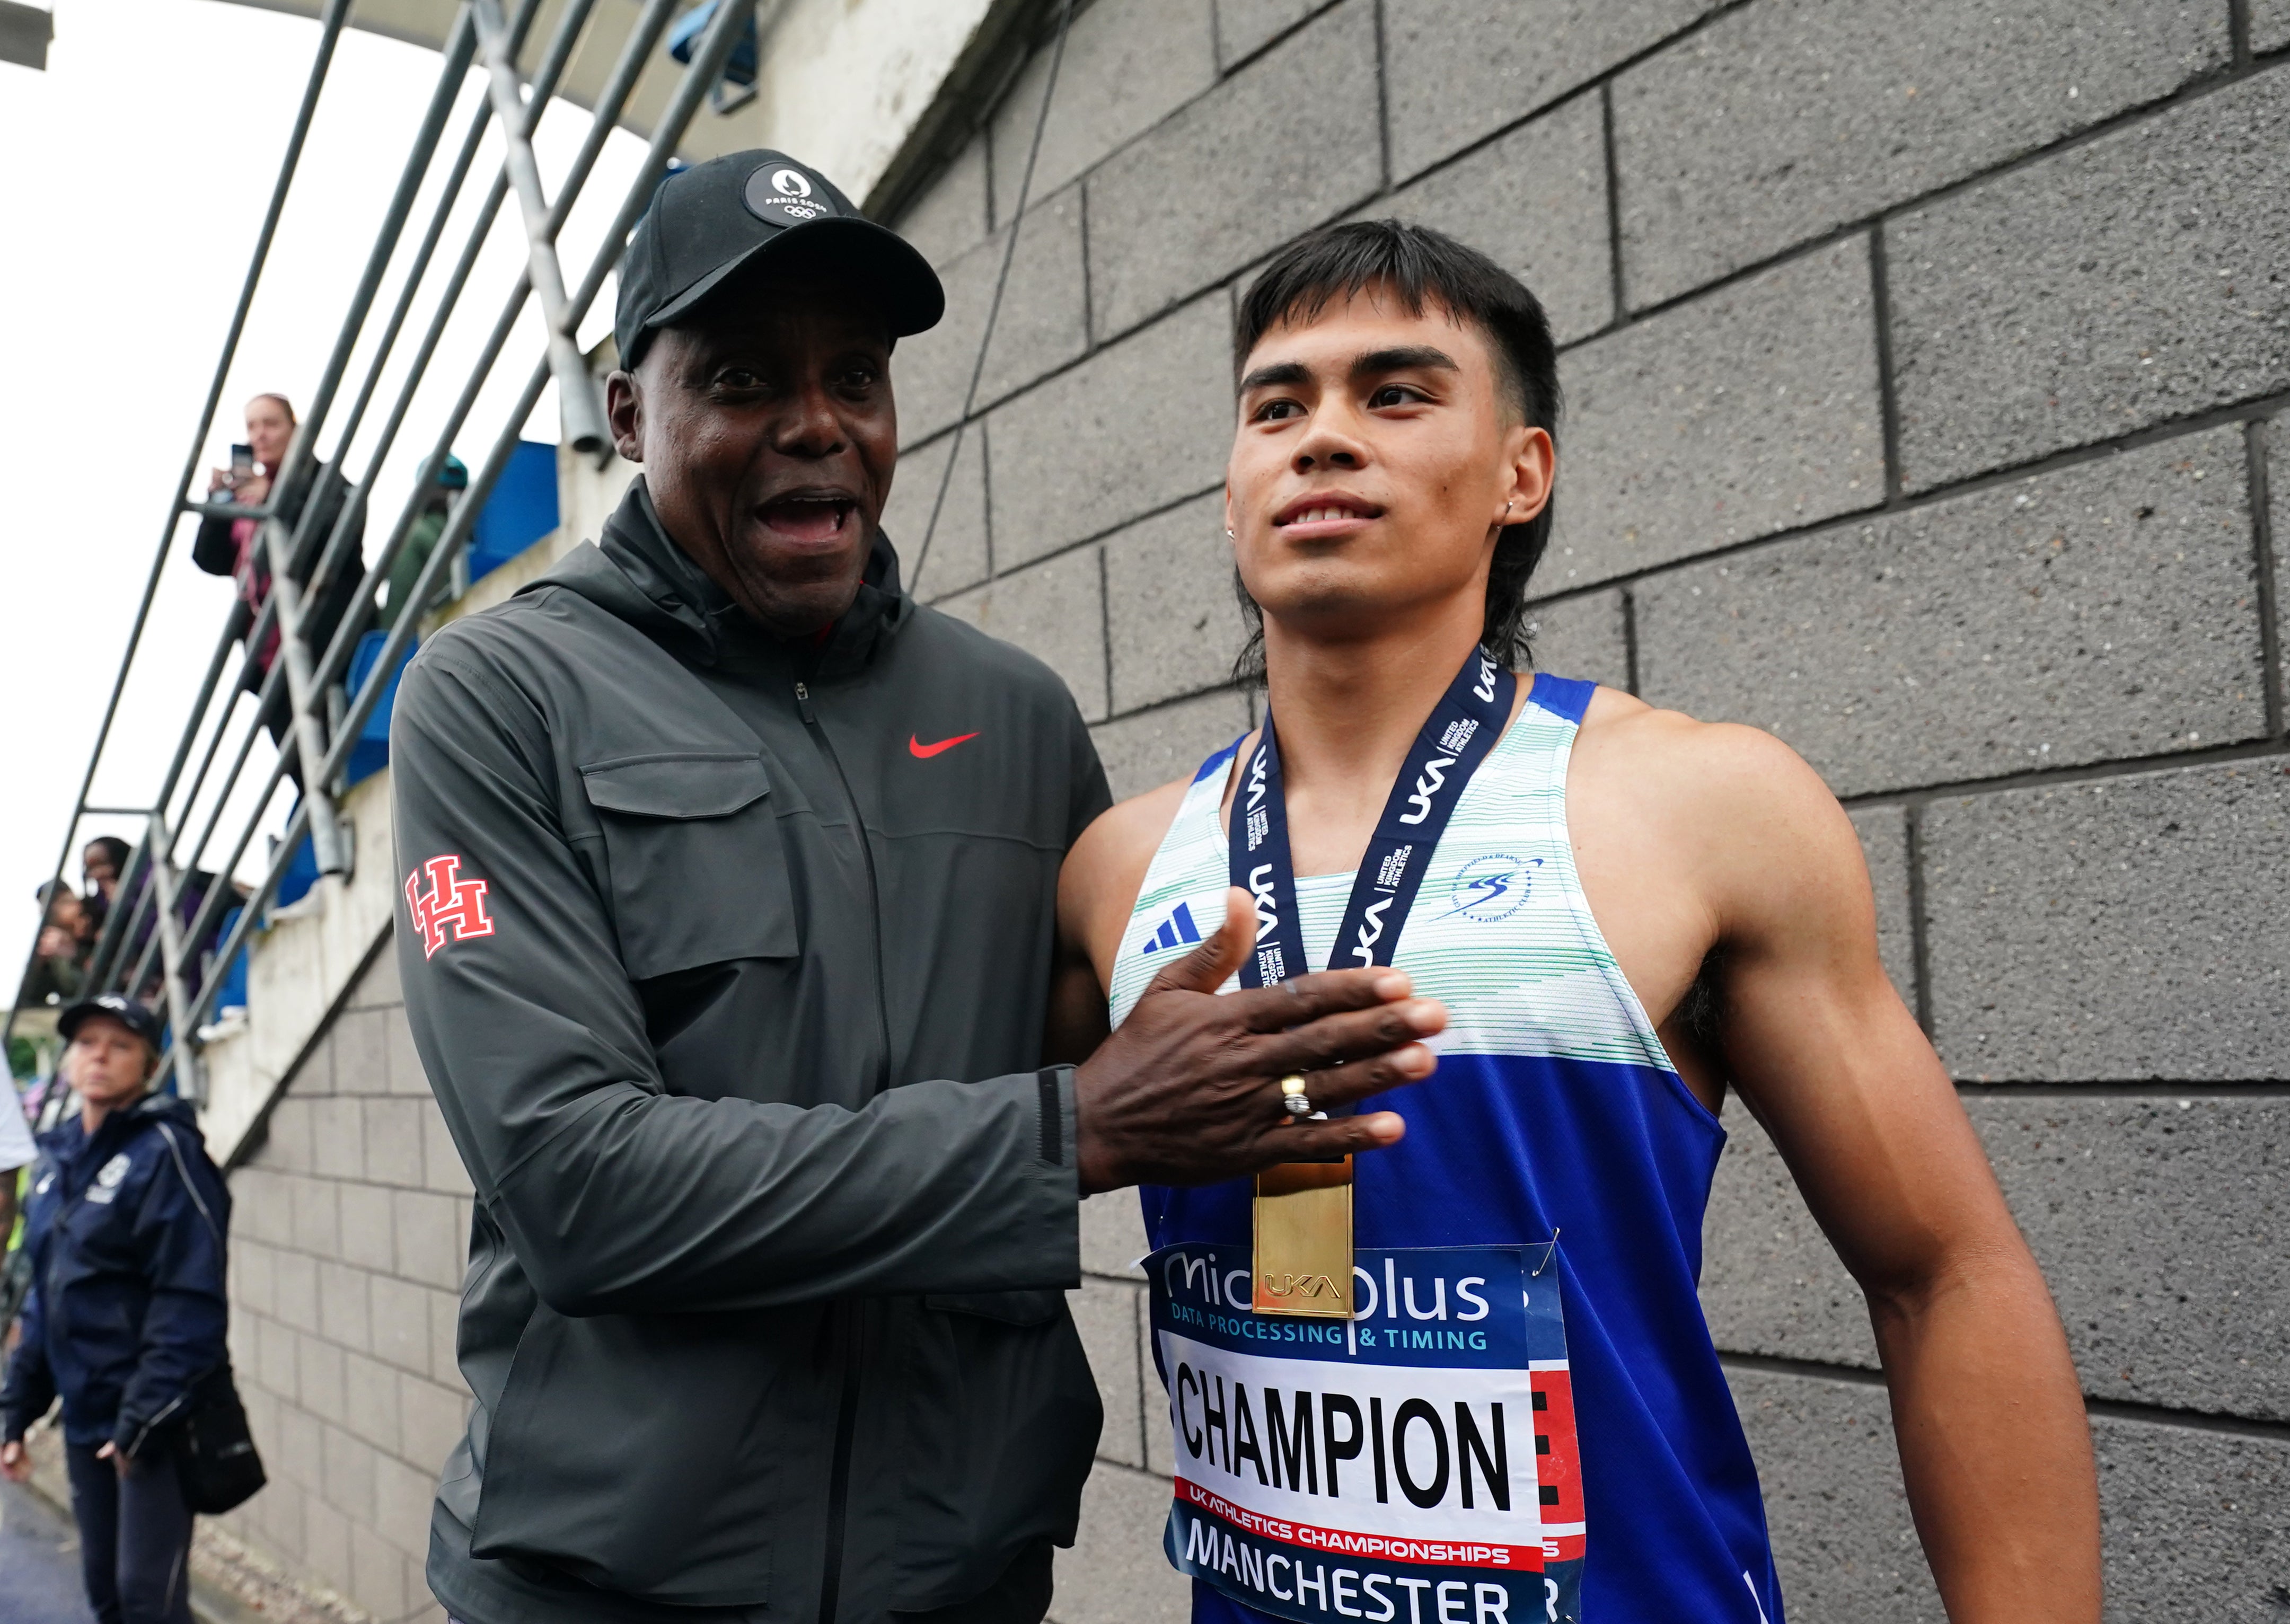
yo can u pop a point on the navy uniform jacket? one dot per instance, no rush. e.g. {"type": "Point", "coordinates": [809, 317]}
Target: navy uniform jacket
{"type": "Point", "coordinates": [127, 1310]}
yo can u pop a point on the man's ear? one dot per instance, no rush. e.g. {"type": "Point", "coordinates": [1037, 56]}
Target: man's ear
{"type": "Point", "coordinates": [624, 410]}
{"type": "Point", "coordinates": [1534, 470]}
{"type": "Point", "coordinates": [1232, 521]}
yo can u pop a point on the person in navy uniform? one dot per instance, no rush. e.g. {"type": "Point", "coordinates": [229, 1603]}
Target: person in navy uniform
{"type": "Point", "coordinates": [127, 1311]}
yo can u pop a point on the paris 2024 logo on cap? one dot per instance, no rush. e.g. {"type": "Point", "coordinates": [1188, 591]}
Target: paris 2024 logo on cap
{"type": "Point", "coordinates": [779, 196]}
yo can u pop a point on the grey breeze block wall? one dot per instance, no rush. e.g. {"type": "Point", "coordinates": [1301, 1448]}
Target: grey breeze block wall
{"type": "Point", "coordinates": [1922, 364]}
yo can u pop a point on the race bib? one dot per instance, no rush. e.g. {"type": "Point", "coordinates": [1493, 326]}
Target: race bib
{"type": "Point", "coordinates": [1415, 1463]}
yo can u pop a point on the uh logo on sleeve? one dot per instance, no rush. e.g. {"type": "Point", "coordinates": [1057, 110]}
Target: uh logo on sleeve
{"type": "Point", "coordinates": [1415, 1463]}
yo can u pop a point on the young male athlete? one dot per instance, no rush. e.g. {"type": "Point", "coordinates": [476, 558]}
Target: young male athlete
{"type": "Point", "coordinates": [1517, 1413]}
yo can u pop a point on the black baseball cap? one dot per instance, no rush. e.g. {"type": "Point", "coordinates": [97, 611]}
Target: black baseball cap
{"type": "Point", "coordinates": [135, 1017]}
{"type": "Point", "coordinates": [708, 222]}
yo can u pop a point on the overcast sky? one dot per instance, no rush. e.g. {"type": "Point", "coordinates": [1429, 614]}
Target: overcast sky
{"type": "Point", "coordinates": [133, 177]}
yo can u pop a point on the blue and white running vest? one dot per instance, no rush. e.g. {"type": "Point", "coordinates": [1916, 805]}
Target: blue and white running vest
{"type": "Point", "coordinates": [1555, 1116]}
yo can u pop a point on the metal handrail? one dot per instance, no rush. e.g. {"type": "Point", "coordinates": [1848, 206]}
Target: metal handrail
{"type": "Point", "coordinates": [307, 558]}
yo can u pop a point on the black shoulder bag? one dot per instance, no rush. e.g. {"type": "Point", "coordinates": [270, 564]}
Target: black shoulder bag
{"type": "Point", "coordinates": [218, 1463]}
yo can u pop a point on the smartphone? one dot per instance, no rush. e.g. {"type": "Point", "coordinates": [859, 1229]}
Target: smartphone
{"type": "Point", "coordinates": [242, 462]}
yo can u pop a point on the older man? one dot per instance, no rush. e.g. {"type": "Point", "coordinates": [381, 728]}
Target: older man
{"type": "Point", "coordinates": [729, 887]}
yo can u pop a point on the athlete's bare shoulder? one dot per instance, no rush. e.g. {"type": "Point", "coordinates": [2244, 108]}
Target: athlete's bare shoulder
{"type": "Point", "coordinates": [1106, 868]}
{"type": "Point", "coordinates": [1726, 814]}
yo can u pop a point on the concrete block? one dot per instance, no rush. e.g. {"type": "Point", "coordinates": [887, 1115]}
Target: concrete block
{"type": "Point", "coordinates": [295, 1285]}
{"type": "Point", "coordinates": [327, 1541]}
{"type": "Point", "coordinates": [950, 213]}
{"type": "Point", "coordinates": [1126, 67]}
{"type": "Point", "coordinates": [365, 1235]}
{"type": "Point", "coordinates": [399, 1314]}
{"type": "Point", "coordinates": [2103, 611]}
{"type": "Point", "coordinates": [1459, 70]}
{"type": "Point", "coordinates": [316, 1207]}
{"type": "Point", "coordinates": [2269, 25]}
{"type": "Point", "coordinates": [262, 1204]}
{"type": "Point", "coordinates": [1281, 147]}
{"type": "Point", "coordinates": [336, 1124]}
{"type": "Point", "coordinates": [1584, 637]}
{"type": "Point", "coordinates": [361, 1058]}
{"type": "Point", "coordinates": [2104, 931]}
{"type": "Point", "coordinates": [313, 1077]}
{"type": "Point", "coordinates": [957, 556]}
{"type": "Point", "coordinates": [275, 1355]}
{"type": "Point", "coordinates": [376, 1572]}
{"type": "Point", "coordinates": [1835, 1509]}
{"type": "Point", "coordinates": [2192, 1522]}
{"type": "Point", "coordinates": [442, 1169]}
{"type": "Point", "coordinates": [403, 1498]}
{"type": "Point", "coordinates": [1169, 608]}
{"type": "Point", "coordinates": [1535, 202]}
{"type": "Point", "coordinates": [2140, 1211]}
{"type": "Point", "coordinates": [444, 1328]}
{"type": "Point", "coordinates": [1154, 747]}
{"type": "Point", "coordinates": [253, 1275]}
{"type": "Point", "coordinates": [2124, 281]}
{"type": "Point", "coordinates": [1105, 1312]}
{"type": "Point", "coordinates": [1751, 410]}
{"type": "Point", "coordinates": [406, 1076]}
{"type": "Point", "coordinates": [431, 1421]}
{"type": "Point", "coordinates": [1246, 27]}
{"type": "Point", "coordinates": [393, 1142]}
{"type": "Point", "coordinates": [1883, 832]}
{"type": "Point", "coordinates": [370, 1388]}
{"type": "Point", "coordinates": [322, 1376]}
{"type": "Point", "coordinates": [2276, 437]}
{"type": "Point", "coordinates": [298, 1442]}
{"type": "Point", "coordinates": [343, 1306]}
{"type": "Point", "coordinates": [1782, 121]}
{"type": "Point", "coordinates": [1043, 323]}
{"type": "Point", "coordinates": [432, 1245]}
{"type": "Point", "coordinates": [378, 988]}
{"type": "Point", "coordinates": [347, 1468]}
{"type": "Point", "coordinates": [1129, 430]}
{"type": "Point", "coordinates": [287, 1144]}
{"type": "Point", "coordinates": [1112, 1234]}
{"type": "Point", "coordinates": [1054, 611]}
{"type": "Point", "coordinates": [1116, 1572]}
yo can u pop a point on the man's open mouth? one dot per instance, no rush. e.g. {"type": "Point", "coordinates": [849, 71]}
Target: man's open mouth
{"type": "Point", "coordinates": [1324, 510]}
{"type": "Point", "coordinates": [807, 516]}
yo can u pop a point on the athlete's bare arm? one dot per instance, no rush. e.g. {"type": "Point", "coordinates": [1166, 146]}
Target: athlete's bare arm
{"type": "Point", "coordinates": [1715, 846]}
{"type": "Point", "coordinates": [1692, 838]}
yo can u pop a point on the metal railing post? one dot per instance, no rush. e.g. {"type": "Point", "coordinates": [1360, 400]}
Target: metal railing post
{"type": "Point", "coordinates": [303, 698]}
{"type": "Point", "coordinates": [189, 1075]}
{"type": "Point", "coordinates": [576, 392]}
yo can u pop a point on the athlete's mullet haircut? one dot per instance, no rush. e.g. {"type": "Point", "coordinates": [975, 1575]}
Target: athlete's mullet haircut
{"type": "Point", "coordinates": [1418, 266]}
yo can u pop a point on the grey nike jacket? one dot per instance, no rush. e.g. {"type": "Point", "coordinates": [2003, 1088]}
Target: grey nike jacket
{"type": "Point", "coordinates": [727, 960]}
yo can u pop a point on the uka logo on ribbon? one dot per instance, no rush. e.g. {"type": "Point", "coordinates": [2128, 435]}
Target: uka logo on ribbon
{"type": "Point", "coordinates": [1415, 1462]}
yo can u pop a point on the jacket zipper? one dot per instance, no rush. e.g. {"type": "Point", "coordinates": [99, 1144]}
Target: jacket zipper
{"type": "Point", "coordinates": [847, 1409]}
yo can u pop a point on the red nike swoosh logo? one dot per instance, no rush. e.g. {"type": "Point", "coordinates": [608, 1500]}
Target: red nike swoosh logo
{"type": "Point", "coordinates": [923, 752]}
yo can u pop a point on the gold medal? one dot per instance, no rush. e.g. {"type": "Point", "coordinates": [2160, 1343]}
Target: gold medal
{"type": "Point", "coordinates": [1302, 1264]}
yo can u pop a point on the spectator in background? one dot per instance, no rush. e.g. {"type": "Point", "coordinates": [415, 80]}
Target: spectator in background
{"type": "Point", "coordinates": [421, 541]}
{"type": "Point", "coordinates": [233, 548]}
{"type": "Point", "coordinates": [125, 1227]}
{"type": "Point", "coordinates": [59, 957]}
{"type": "Point", "coordinates": [100, 865]}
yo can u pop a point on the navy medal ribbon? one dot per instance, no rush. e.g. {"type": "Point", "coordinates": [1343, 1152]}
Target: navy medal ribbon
{"type": "Point", "coordinates": [1462, 728]}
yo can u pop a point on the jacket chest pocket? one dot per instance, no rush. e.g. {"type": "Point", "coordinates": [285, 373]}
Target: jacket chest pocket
{"type": "Point", "coordinates": [699, 867]}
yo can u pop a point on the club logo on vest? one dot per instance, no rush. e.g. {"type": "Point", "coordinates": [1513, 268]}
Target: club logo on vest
{"type": "Point", "coordinates": [113, 1171]}
{"type": "Point", "coordinates": [1491, 887]}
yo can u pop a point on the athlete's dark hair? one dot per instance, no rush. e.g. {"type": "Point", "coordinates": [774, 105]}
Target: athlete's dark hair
{"type": "Point", "coordinates": [1417, 266]}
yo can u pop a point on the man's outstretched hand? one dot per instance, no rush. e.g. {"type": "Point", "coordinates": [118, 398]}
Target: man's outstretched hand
{"type": "Point", "coordinates": [1187, 1091]}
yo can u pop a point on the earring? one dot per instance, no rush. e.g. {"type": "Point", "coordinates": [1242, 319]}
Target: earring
{"type": "Point", "coordinates": [1228, 530]}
